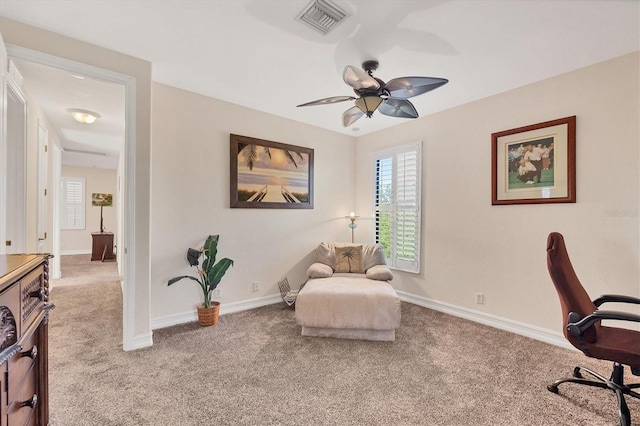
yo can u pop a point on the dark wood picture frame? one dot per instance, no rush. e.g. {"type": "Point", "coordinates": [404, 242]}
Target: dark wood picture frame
{"type": "Point", "coordinates": [515, 181]}
{"type": "Point", "coordinates": [270, 175]}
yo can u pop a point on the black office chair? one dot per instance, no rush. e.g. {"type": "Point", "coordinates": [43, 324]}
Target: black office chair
{"type": "Point", "coordinates": [583, 329]}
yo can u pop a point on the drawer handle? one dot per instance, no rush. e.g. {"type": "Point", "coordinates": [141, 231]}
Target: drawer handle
{"type": "Point", "coordinates": [30, 402]}
{"type": "Point", "coordinates": [33, 353]}
{"type": "Point", "coordinates": [38, 294]}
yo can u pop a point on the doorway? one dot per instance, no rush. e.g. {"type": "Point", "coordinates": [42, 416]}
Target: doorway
{"type": "Point", "coordinates": [126, 235]}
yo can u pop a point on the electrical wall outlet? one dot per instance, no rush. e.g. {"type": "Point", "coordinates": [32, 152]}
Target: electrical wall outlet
{"type": "Point", "coordinates": [256, 286]}
{"type": "Point", "coordinates": [216, 292]}
{"type": "Point", "coordinates": [480, 298]}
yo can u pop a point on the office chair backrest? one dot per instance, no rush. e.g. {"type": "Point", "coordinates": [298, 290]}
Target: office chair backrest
{"type": "Point", "coordinates": [573, 297]}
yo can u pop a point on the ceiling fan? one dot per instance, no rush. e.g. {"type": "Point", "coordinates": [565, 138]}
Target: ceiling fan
{"type": "Point", "coordinates": [374, 94]}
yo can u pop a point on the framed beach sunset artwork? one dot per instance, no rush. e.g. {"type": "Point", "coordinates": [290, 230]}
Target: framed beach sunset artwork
{"type": "Point", "coordinates": [270, 175]}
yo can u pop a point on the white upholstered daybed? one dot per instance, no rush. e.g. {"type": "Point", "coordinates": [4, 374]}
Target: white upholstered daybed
{"type": "Point", "coordinates": [360, 304]}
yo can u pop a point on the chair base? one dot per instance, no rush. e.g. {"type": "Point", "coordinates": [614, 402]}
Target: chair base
{"type": "Point", "coordinates": [615, 384]}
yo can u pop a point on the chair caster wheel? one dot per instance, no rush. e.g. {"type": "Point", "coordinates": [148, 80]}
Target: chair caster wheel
{"type": "Point", "coordinates": [552, 388]}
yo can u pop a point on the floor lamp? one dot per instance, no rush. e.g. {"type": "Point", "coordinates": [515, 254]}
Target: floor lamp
{"type": "Point", "coordinates": [101, 219]}
{"type": "Point", "coordinates": [353, 225]}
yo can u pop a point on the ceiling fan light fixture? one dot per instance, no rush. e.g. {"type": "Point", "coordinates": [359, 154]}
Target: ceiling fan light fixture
{"type": "Point", "coordinates": [83, 115]}
{"type": "Point", "coordinates": [400, 108]}
{"type": "Point", "coordinates": [408, 87]}
{"type": "Point", "coordinates": [350, 116]}
{"type": "Point", "coordinates": [359, 79]}
{"type": "Point", "coordinates": [368, 104]}
{"type": "Point", "coordinates": [375, 95]}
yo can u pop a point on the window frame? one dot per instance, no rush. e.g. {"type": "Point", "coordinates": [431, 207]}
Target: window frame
{"type": "Point", "coordinates": [393, 260]}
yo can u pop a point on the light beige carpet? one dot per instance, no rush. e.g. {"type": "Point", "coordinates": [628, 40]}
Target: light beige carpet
{"type": "Point", "coordinates": [254, 368]}
{"type": "Point", "coordinates": [78, 269]}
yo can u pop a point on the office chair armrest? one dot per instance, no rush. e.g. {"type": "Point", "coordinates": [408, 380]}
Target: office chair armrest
{"type": "Point", "coordinates": [577, 328]}
{"type": "Point", "coordinates": [616, 298]}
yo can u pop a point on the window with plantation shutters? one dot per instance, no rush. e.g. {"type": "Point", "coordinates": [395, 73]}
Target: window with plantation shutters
{"type": "Point", "coordinates": [72, 203]}
{"type": "Point", "coordinates": [397, 206]}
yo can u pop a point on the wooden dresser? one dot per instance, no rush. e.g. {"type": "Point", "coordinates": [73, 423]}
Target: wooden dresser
{"type": "Point", "coordinates": [24, 316]}
{"type": "Point", "coordinates": [102, 248]}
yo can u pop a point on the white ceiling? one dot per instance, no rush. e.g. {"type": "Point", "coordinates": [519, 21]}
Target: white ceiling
{"type": "Point", "coordinates": [254, 53]}
{"type": "Point", "coordinates": [57, 91]}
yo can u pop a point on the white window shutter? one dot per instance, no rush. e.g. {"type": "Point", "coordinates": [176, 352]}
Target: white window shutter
{"type": "Point", "coordinates": [73, 203]}
{"type": "Point", "coordinates": [397, 205]}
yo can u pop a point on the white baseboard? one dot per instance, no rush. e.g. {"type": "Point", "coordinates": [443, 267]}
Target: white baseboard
{"type": "Point", "coordinates": [225, 308]}
{"type": "Point", "coordinates": [537, 333]}
{"type": "Point", "coordinates": [140, 341]}
{"type": "Point", "coordinates": [72, 252]}
{"type": "Point", "coordinates": [544, 335]}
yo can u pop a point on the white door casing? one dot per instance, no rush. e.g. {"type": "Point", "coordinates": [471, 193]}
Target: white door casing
{"type": "Point", "coordinates": [131, 338]}
{"type": "Point", "coordinates": [14, 185]}
{"type": "Point", "coordinates": [43, 177]}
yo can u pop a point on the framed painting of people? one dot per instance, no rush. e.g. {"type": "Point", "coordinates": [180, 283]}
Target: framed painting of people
{"type": "Point", "coordinates": [534, 164]}
{"type": "Point", "coordinates": [270, 175]}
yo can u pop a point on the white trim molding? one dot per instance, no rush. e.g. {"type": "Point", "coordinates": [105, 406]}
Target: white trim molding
{"type": "Point", "coordinates": [226, 308]}
{"type": "Point", "coordinates": [533, 332]}
{"type": "Point", "coordinates": [527, 330]}
{"type": "Point", "coordinates": [130, 322]}
{"type": "Point", "coordinates": [140, 341]}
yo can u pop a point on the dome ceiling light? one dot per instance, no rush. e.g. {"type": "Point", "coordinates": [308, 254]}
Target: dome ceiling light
{"type": "Point", "coordinates": [83, 115]}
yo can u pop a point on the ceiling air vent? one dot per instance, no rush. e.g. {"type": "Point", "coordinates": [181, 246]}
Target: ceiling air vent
{"type": "Point", "coordinates": [322, 16]}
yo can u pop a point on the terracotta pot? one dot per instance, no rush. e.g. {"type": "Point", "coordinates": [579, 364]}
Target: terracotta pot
{"type": "Point", "coordinates": [208, 316]}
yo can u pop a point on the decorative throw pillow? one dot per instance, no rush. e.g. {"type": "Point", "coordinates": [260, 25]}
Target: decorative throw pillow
{"type": "Point", "coordinates": [324, 254]}
{"type": "Point", "coordinates": [319, 270]}
{"type": "Point", "coordinates": [380, 273]}
{"type": "Point", "coordinates": [372, 255]}
{"type": "Point", "coordinates": [349, 259]}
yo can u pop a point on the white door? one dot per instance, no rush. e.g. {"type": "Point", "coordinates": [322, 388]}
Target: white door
{"type": "Point", "coordinates": [43, 178]}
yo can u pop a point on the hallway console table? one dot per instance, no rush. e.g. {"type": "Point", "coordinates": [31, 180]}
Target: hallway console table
{"type": "Point", "coordinates": [102, 248]}
{"type": "Point", "coordinates": [24, 318]}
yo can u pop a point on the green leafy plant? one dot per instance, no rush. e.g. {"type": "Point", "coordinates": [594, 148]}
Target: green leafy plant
{"type": "Point", "coordinates": [211, 273]}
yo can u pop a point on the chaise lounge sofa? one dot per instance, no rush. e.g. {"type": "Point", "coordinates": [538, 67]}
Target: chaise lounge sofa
{"type": "Point", "coordinates": [348, 294]}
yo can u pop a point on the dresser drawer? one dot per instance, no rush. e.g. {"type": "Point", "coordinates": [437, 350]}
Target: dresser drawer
{"type": "Point", "coordinates": [21, 410]}
{"type": "Point", "coordinates": [32, 295]}
{"type": "Point", "coordinates": [21, 365]}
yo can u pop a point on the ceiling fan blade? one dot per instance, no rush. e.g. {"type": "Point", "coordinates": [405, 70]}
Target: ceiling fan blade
{"type": "Point", "coordinates": [331, 100]}
{"type": "Point", "coordinates": [351, 115]}
{"type": "Point", "coordinates": [398, 108]}
{"type": "Point", "coordinates": [407, 87]}
{"type": "Point", "coordinates": [359, 79]}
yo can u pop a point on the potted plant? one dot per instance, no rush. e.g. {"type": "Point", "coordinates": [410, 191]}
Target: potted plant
{"type": "Point", "coordinates": [209, 276]}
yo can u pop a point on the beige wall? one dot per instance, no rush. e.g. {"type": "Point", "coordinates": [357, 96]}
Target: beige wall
{"type": "Point", "coordinates": [470, 246]}
{"type": "Point", "coordinates": [74, 241]}
{"type": "Point", "coordinates": [190, 200]}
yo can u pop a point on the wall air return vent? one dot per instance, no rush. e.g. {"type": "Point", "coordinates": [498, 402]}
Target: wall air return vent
{"type": "Point", "coordinates": [322, 16]}
{"type": "Point", "coordinates": [82, 151]}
